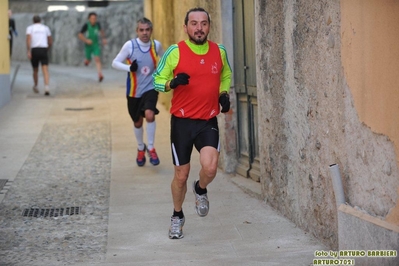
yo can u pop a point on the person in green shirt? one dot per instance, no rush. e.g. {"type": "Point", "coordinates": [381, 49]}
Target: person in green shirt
{"type": "Point", "coordinates": [90, 34]}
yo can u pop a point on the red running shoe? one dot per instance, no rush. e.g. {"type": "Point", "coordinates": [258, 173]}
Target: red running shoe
{"type": "Point", "coordinates": [141, 157]}
{"type": "Point", "coordinates": [154, 160]}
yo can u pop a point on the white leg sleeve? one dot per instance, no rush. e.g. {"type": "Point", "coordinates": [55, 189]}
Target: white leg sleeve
{"type": "Point", "coordinates": [151, 134]}
{"type": "Point", "coordinates": [138, 132]}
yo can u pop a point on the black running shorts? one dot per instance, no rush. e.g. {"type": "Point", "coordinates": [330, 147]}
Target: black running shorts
{"type": "Point", "coordinates": [137, 106]}
{"type": "Point", "coordinates": [39, 55]}
{"type": "Point", "coordinates": [186, 133]}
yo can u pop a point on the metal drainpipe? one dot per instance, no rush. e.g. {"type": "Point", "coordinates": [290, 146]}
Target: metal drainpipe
{"type": "Point", "coordinates": [337, 185]}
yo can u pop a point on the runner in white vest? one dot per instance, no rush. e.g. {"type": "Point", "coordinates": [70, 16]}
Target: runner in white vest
{"type": "Point", "coordinates": [139, 58]}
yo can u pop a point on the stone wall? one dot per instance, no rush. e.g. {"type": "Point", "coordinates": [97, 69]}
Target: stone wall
{"type": "Point", "coordinates": [118, 21]}
{"type": "Point", "coordinates": [31, 6]}
{"type": "Point", "coordinates": [309, 120]}
{"type": "Point", "coordinates": [40, 6]}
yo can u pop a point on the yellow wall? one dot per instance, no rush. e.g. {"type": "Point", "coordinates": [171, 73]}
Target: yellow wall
{"type": "Point", "coordinates": [160, 12]}
{"type": "Point", "coordinates": [370, 57]}
{"type": "Point", "coordinates": [4, 42]}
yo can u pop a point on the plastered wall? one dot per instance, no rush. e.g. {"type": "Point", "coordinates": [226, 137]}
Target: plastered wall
{"type": "Point", "coordinates": [370, 59]}
{"type": "Point", "coordinates": [5, 93]}
{"type": "Point", "coordinates": [4, 43]}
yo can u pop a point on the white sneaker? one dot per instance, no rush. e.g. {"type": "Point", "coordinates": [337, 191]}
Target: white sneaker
{"type": "Point", "coordinates": [176, 227]}
{"type": "Point", "coordinates": [201, 203]}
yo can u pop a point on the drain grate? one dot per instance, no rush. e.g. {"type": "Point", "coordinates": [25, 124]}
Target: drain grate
{"type": "Point", "coordinates": [51, 212]}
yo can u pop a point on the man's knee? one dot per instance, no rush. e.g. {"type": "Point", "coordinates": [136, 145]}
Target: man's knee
{"type": "Point", "coordinates": [138, 124]}
{"type": "Point", "coordinates": [210, 170]}
{"type": "Point", "coordinates": [181, 176]}
{"type": "Point", "coordinates": [209, 161]}
{"type": "Point", "coordinates": [180, 180]}
{"type": "Point", "coordinates": [149, 116]}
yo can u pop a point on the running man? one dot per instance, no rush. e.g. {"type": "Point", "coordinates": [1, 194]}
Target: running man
{"type": "Point", "coordinates": [38, 41]}
{"type": "Point", "coordinates": [89, 34]}
{"type": "Point", "coordinates": [141, 54]}
{"type": "Point", "coordinates": [198, 72]}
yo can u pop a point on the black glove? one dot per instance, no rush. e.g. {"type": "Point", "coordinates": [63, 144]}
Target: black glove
{"type": "Point", "coordinates": [224, 102]}
{"type": "Point", "coordinates": [134, 66]}
{"type": "Point", "coordinates": [180, 79]}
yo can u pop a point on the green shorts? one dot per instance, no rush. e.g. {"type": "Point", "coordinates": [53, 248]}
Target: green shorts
{"type": "Point", "coordinates": [93, 49]}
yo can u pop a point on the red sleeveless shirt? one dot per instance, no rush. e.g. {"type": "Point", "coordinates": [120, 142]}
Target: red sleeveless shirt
{"type": "Point", "coordinates": [200, 98]}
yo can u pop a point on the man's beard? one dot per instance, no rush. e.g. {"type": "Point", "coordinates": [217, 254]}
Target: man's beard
{"type": "Point", "coordinates": [199, 41]}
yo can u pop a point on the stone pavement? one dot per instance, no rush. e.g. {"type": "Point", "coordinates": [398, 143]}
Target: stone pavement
{"type": "Point", "coordinates": [76, 148]}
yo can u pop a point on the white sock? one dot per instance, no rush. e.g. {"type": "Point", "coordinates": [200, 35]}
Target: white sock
{"type": "Point", "coordinates": [46, 88]}
{"type": "Point", "coordinates": [138, 132]}
{"type": "Point", "coordinates": [151, 134]}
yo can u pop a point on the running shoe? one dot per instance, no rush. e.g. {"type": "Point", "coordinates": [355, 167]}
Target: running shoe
{"type": "Point", "coordinates": [47, 93]}
{"type": "Point", "coordinates": [154, 160]}
{"type": "Point", "coordinates": [141, 156]}
{"type": "Point", "coordinates": [86, 62]}
{"type": "Point", "coordinates": [100, 78]}
{"type": "Point", "coordinates": [35, 90]}
{"type": "Point", "coordinates": [201, 202]}
{"type": "Point", "coordinates": [176, 227]}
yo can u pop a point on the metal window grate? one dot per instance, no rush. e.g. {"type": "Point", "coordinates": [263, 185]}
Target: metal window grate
{"type": "Point", "coordinates": [51, 212]}
{"type": "Point", "coordinates": [3, 182]}
{"type": "Point", "coordinates": [79, 109]}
